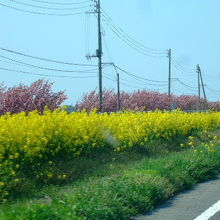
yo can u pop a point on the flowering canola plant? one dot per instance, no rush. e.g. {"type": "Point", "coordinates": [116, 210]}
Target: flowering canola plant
{"type": "Point", "coordinates": [28, 142]}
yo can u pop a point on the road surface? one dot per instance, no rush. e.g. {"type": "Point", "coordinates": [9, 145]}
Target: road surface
{"type": "Point", "coordinates": [200, 203]}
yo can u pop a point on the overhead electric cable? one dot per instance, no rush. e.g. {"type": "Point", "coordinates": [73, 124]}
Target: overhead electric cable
{"type": "Point", "coordinates": [107, 49]}
{"type": "Point", "coordinates": [135, 87]}
{"type": "Point", "coordinates": [131, 39]}
{"type": "Point", "coordinates": [146, 83]}
{"type": "Point", "coordinates": [180, 67]}
{"type": "Point", "coordinates": [57, 76]}
{"type": "Point", "coordinates": [184, 84]}
{"type": "Point", "coordinates": [44, 59]}
{"type": "Point", "coordinates": [139, 76]}
{"type": "Point", "coordinates": [8, 62]}
{"type": "Point", "coordinates": [50, 69]}
{"type": "Point", "coordinates": [182, 71]}
{"type": "Point", "coordinates": [191, 94]}
{"type": "Point", "coordinates": [212, 90]}
{"type": "Point", "coordinates": [60, 3]}
{"type": "Point", "coordinates": [141, 83]}
{"type": "Point", "coordinates": [132, 45]}
{"type": "Point", "coordinates": [106, 77]}
{"type": "Point", "coordinates": [48, 8]}
{"type": "Point", "coordinates": [40, 13]}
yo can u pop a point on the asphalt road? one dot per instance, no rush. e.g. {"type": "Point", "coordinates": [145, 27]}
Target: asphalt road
{"type": "Point", "coordinates": [216, 217]}
{"type": "Point", "coordinates": [189, 205]}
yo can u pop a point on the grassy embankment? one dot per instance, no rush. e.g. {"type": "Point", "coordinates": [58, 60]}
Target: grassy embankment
{"type": "Point", "coordinates": [120, 185]}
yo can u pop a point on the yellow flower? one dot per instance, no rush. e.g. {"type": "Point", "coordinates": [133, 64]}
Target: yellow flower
{"type": "Point", "coordinates": [49, 175]}
{"type": "Point", "coordinates": [191, 144]}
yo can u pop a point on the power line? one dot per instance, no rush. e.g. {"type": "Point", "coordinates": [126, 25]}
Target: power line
{"type": "Point", "coordinates": [184, 84]}
{"type": "Point", "coordinates": [191, 94]}
{"type": "Point", "coordinates": [46, 68]}
{"type": "Point", "coordinates": [40, 13]}
{"type": "Point", "coordinates": [131, 44]}
{"type": "Point", "coordinates": [44, 59]}
{"type": "Point", "coordinates": [182, 71]}
{"type": "Point", "coordinates": [107, 49]}
{"type": "Point", "coordinates": [135, 87]}
{"type": "Point", "coordinates": [139, 77]}
{"type": "Point", "coordinates": [106, 77]}
{"type": "Point", "coordinates": [48, 8]}
{"type": "Point", "coordinates": [8, 62]}
{"type": "Point", "coordinates": [64, 3]}
{"type": "Point", "coordinates": [132, 39]}
{"type": "Point", "coordinates": [180, 67]}
{"type": "Point", "coordinates": [139, 87]}
{"type": "Point", "coordinates": [212, 90]}
{"type": "Point", "coordinates": [117, 30]}
{"type": "Point", "coordinates": [141, 83]}
{"type": "Point", "coordinates": [57, 76]}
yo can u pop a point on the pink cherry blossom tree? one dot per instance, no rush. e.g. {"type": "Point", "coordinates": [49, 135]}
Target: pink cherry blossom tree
{"type": "Point", "coordinates": [28, 98]}
{"type": "Point", "coordinates": [142, 100]}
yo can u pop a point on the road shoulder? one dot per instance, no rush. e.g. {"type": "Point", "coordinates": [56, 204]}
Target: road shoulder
{"type": "Point", "coordinates": [187, 205]}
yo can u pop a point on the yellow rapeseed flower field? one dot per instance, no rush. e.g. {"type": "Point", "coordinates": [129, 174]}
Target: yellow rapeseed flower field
{"type": "Point", "coordinates": [29, 141]}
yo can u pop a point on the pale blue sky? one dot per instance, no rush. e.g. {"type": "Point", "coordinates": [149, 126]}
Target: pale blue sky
{"type": "Point", "coordinates": [189, 28]}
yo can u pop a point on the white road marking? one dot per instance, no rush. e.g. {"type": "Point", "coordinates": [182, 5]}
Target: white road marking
{"type": "Point", "coordinates": [209, 212]}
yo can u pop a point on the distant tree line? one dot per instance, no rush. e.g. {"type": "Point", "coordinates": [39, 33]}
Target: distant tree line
{"type": "Point", "coordinates": [39, 94]}
{"type": "Point", "coordinates": [143, 100]}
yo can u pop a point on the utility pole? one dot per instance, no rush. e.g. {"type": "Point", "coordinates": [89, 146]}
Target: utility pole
{"type": "Point", "coordinates": [99, 52]}
{"type": "Point", "coordinates": [99, 55]}
{"type": "Point", "coordinates": [118, 86]}
{"type": "Point", "coordinates": [118, 89]}
{"type": "Point", "coordinates": [198, 72]}
{"type": "Point", "coordinates": [169, 77]}
{"type": "Point", "coordinates": [203, 87]}
{"type": "Point", "coordinates": [199, 94]}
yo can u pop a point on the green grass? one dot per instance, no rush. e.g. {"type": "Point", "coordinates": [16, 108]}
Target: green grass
{"type": "Point", "coordinates": [116, 186]}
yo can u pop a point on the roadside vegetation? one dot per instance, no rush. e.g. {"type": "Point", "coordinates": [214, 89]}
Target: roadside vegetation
{"type": "Point", "coordinates": [57, 165]}
{"type": "Point", "coordinates": [119, 186]}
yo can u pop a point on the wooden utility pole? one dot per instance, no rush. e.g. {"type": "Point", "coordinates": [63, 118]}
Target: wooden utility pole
{"type": "Point", "coordinates": [199, 89]}
{"type": "Point", "coordinates": [98, 52]}
{"type": "Point", "coordinates": [118, 89]}
{"type": "Point", "coordinates": [118, 86]}
{"type": "Point", "coordinates": [169, 76]}
{"type": "Point", "coordinates": [99, 55]}
{"type": "Point", "coordinates": [203, 86]}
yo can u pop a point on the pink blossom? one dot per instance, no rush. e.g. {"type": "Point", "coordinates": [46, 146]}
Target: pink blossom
{"type": "Point", "coordinates": [28, 98]}
{"type": "Point", "coordinates": [143, 100]}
